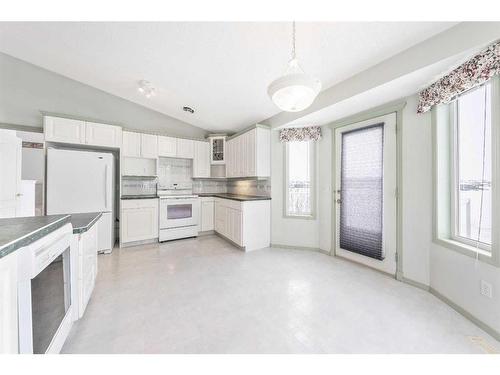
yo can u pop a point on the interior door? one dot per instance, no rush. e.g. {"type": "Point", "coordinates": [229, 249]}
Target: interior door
{"type": "Point", "coordinates": [366, 192]}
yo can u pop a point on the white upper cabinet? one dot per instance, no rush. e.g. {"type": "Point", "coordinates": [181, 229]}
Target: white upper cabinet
{"type": "Point", "coordinates": [65, 130]}
{"type": "Point", "coordinates": [217, 150]}
{"type": "Point", "coordinates": [167, 146]}
{"type": "Point", "coordinates": [185, 148]}
{"type": "Point", "coordinates": [131, 146]}
{"type": "Point", "coordinates": [201, 160]}
{"type": "Point", "coordinates": [58, 129]}
{"type": "Point", "coordinates": [249, 154]}
{"type": "Point", "coordinates": [149, 146]}
{"type": "Point", "coordinates": [10, 173]}
{"type": "Point", "coordinates": [139, 145]}
{"type": "Point", "coordinates": [97, 134]}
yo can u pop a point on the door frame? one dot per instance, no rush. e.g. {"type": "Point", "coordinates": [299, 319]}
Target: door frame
{"type": "Point", "coordinates": [393, 107]}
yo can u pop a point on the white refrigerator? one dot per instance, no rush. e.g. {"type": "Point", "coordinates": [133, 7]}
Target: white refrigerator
{"type": "Point", "coordinates": [80, 182]}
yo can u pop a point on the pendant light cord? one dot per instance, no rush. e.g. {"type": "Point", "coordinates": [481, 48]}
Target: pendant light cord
{"type": "Point", "coordinates": [293, 40]}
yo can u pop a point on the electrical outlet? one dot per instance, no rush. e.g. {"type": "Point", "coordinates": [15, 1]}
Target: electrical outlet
{"type": "Point", "coordinates": [486, 289]}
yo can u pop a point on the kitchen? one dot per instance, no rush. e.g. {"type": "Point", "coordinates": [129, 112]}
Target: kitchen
{"type": "Point", "coordinates": [183, 193]}
{"type": "Point", "coordinates": [123, 188]}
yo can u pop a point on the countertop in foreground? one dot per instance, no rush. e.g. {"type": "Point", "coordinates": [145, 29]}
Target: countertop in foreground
{"type": "Point", "coordinates": [18, 232]}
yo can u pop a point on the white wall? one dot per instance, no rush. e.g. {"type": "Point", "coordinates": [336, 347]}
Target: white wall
{"type": "Point", "coordinates": [287, 231]}
{"type": "Point", "coordinates": [455, 276]}
{"type": "Point", "coordinates": [416, 192]}
{"type": "Point", "coordinates": [311, 233]}
{"type": "Point", "coordinates": [26, 89]}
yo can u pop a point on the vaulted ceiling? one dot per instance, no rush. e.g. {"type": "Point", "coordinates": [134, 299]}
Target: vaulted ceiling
{"type": "Point", "coordinates": [221, 69]}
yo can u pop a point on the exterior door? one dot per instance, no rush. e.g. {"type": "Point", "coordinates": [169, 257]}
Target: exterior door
{"type": "Point", "coordinates": [366, 192]}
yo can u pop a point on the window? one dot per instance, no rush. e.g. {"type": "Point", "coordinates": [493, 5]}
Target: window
{"type": "Point", "coordinates": [466, 152]}
{"type": "Point", "coordinates": [471, 169]}
{"type": "Point", "coordinates": [299, 175]}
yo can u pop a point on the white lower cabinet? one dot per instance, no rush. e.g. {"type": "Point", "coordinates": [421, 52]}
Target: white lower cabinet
{"type": "Point", "coordinates": [87, 244]}
{"type": "Point", "coordinates": [207, 214]}
{"type": "Point", "coordinates": [139, 220]}
{"type": "Point", "coordinates": [247, 223]}
{"type": "Point", "coordinates": [8, 305]}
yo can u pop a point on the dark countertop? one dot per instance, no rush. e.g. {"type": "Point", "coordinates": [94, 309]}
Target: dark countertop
{"type": "Point", "coordinates": [18, 232]}
{"type": "Point", "coordinates": [83, 222]}
{"type": "Point", "coordinates": [236, 197]}
{"type": "Point", "coordinates": [139, 197]}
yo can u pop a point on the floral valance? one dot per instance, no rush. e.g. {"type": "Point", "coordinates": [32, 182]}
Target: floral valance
{"type": "Point", "coordinates": [309, 133]}
{"type": "Point", "coordinates": [470, 74]}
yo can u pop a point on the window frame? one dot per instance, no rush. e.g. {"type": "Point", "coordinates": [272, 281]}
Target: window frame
{"type": "Point", "coordinates": [443, 133]}
{"type": "Point", "coordinates": [454, 180]}
{"type": "Point", "coordinates": [312, 198]}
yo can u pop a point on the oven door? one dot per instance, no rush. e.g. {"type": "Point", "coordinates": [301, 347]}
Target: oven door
{"type": "Point", "coordinates": [179, 212]}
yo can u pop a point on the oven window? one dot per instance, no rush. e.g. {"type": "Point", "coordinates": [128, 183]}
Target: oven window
{"type": "Point", "coordinates": [179, 211]}
{"type": "Point", "coordinates": [50, 300]}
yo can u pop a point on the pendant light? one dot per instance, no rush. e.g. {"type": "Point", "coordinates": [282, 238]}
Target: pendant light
{"type": "Point", "coordinates": [295, 90]}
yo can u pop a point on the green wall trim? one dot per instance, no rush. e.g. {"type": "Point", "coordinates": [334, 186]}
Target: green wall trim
{"type": "Point", "coordinates": [485, 327]}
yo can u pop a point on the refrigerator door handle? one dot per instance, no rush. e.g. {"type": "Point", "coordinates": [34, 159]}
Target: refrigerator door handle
{"type": "Point", "coordinates": [106, 186]}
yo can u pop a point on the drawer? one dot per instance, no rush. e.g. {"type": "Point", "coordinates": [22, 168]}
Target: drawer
{"type": "Point", "coordinates": [139, 203]}
{"type": "Point", "coordinates": [207, 199]}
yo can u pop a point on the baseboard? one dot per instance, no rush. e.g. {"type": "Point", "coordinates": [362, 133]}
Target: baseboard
{"type": "Point", "coordinates": [137, 243]}
{"type": "Point", "coordinates": [316, 249]}
{"type": "Point", "coordinates": [206, 233]}
{"type": "Point", "coordinates": [491, 331]}
{"type": "Point", "coordinates": [414, 283]}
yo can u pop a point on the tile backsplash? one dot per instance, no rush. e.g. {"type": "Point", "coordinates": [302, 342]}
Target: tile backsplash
{"type": "Point", "coordinates": [209, 186]}
{"type": "Point", "coordinates": [249, 187]}
{"type": "Point", "coordinates": [245, 187]}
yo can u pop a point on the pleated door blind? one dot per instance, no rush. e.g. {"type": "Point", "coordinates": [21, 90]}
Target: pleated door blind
{"type": "Point", "coordinates": [361, 207]}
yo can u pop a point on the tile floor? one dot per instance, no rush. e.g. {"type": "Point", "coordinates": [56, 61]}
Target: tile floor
{"type": "Point", "coordinates": [205, 296]}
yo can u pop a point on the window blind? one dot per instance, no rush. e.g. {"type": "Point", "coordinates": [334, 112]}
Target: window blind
{"type": "Point", "coordinates": [361, 208]}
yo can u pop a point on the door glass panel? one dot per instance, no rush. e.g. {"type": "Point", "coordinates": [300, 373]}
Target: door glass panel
{"type": "Point", "coordinates": [361, 207]}
{"type": "Point", "coordinates": [179, 211]}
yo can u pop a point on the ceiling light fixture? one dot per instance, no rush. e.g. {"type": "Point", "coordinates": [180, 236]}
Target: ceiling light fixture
{"type": "Point", "coordinates": [295, 90]}
{"type": "Point", "coordinates": [146, 89]}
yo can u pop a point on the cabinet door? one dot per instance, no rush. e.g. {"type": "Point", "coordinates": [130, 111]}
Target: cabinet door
{"type": "Point", "coordinates": [234, 219]}
{"type": "Point", "coordinates": [230, 158]}
{"type": "Point", "coordinates": [185, 148]}
{"type": "Point", "coordinates": [250, 154]}
{"type": "Point", "coordinates": [220, 218]}
{"type": "Point", "coordinates": [207, 216]}
{"type": "Point", "coordinates": [103, 135]}
{"type": "Point", "coordinates": [139, 224]}
{"type": "Point", "coordinates": [10, 173]}
{"type": "Point", "coordinates": [149, 146]}
{"type": "Point", "coordinates": [167, 146]}
{"type": "Point", "coordinates": [131, 146]}
{"type": "Point", "coordinates": [201, 161]}
{"type": "Point", "coordinates": [58, 129]}
{"type": "Point", "coordinates": [8, 306]}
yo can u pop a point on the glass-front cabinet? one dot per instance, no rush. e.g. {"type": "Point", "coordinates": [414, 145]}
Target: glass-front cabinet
{"type": "Point", "coordinates": [217, 149]}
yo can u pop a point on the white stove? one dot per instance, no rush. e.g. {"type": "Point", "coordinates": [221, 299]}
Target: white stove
{"type": "Point", "coordinates": [179, 214]}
